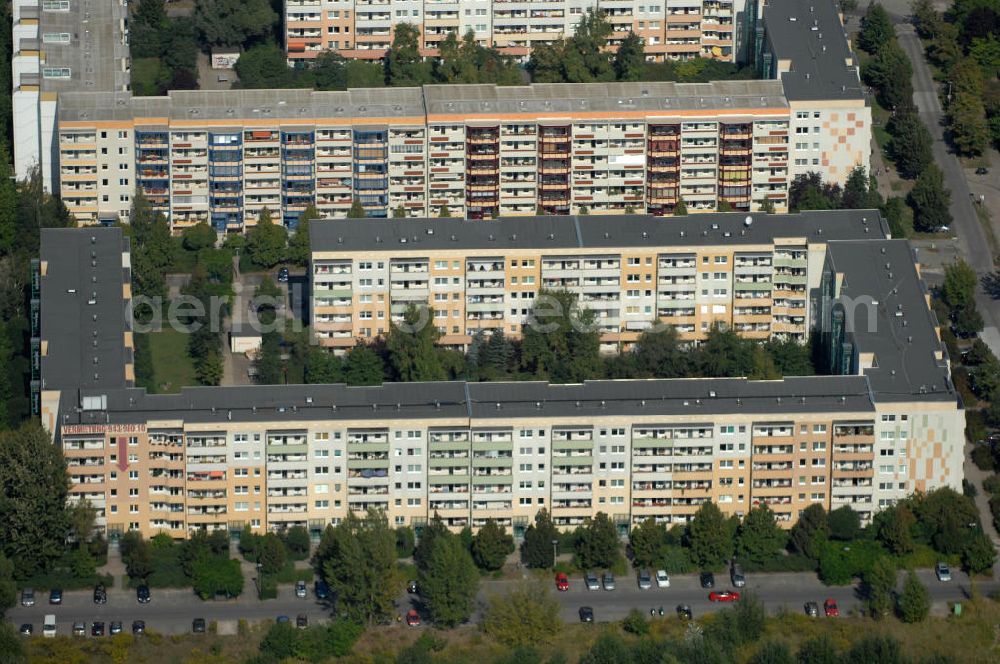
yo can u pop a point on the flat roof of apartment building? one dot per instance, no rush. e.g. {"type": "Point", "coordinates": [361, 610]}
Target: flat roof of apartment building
{"type": "Point", "coordinates": [658, 96]}
{"type": "Point", "coordinates": [892, 320]}
{"type": "Point", "coordinates": [460, 401]}
{"type": "Point", "coordinates": [95, 47]}
{"type": "Point", "coordinates": [83, 308]}
{"type": "Point", "coordinates": [810, 36]}
{"type": "Point", "coordinates": [592, 231]}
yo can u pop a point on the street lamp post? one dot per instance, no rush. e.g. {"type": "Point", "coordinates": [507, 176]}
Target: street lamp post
{"type": "Point", "coordinates": [260, 581]}
{"type": "Point", "coordinates": [555, 545]}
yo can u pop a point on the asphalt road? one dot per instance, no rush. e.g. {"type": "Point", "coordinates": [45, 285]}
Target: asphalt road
{"type": "Point", "coordinates": [171, 611]}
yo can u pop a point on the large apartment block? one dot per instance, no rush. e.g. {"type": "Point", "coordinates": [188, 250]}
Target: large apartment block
{"type": "Point", "coordinates": [670, 29]}
{"type": "Point", "coordinates": [478, 151]}
{"type": "Point", "coordinates": [884, 423]}
{"type": "Point", "coordinates": [753, 273]}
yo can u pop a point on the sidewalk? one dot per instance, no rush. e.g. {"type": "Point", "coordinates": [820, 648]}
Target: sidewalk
{"type": "Point", "coordinates": [115, 567]}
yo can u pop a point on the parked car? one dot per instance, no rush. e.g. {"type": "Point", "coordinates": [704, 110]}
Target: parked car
{"type": "Point", "coordinates": [812, 609]}
{"type": "Point", "coordinates": [586, 614]}
{"type": "Point", "coordinates": [27, 597]}
{"type": "Point", "coordinates": [982, 170]}
{"type": "Point", "coordinates": [79, 628]}
{"type": "Point", "coordinates": [142, 594]}
{"type": "Point", "coordinates": [736, 576]}
{"type": "Point", "coordinates": [27, 629]}
{"type": "Point", "coordinates": [138, 627]}
{"type": "Point", "coordinates": [49, 626]}
{"type": "Point", "coordinates": [590, 580]}
{"type": "Point", "coordinates": [830, 609]}
{"type": "Point", "coordinates": [97, 628]}
{"type": "Point", "coordinates": [198, 626]}
{"type": "Point", "coordinates": [684, 612]}
{"type": "Point", "coordinates": [411, 587]}
{"type": "Point", "coordinates": [321, 590]}
{"type": "Point", "coordinates": [100, 594]}
{"type": "Point", "coordinates": [55, 596]}
{"type": "Point", "coordinates": [282, 619]}
{"type": "Point", "coordinates": [115, 627]}
{"type": "Point", "coordinates": [562, 582]}
{"type": "Point", "coordinates": [413, 618]}
{"type": "Point", "coordinates": [723, 596]}
{"type": "Point", "coordinates": [300, 589]}
{"type": "Point", "coordinates": [301, 621]}
{"type": "Point", "coordinates": [942, 571]}
{"type": "Point", "coordinates": [707, 580]}
{"type": "Point", "coordinates": [608, 581]}
{"type": "Point", "coordinates": [662, 579]}
{"type": "Point", "coordinates": [645, 579]}
{"type": "Point", "coordinates": [283, 274]}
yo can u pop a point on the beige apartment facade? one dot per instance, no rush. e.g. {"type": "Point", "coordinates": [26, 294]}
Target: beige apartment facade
{"type": "Point", "coordinates": [751, 273]}
{"type": "Point", "coordinates": [670, 29]}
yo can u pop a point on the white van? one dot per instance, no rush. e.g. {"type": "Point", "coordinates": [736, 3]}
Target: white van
{"type": "Point", "coordinates": [49, 626]}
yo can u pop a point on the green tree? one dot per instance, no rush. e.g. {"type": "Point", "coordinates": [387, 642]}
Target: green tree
{"type": "Point", "coordinates": [491, 546]}
{"type": "Point", "coordinates": [890, 73]}
{"type": "Point", "coordinates": [449, 581]}
{"type": "Point", "coordinates": [323, 367]}
{"type": "Point", "coordinates": [8, 585]}
{"type": "Point", "coordinates": [264, 66]}
{"type": "Point", "coordinates": [910, 147]}
{"type": "Point", "coordinates": [425, 542]}
{"type": "Point", "coordinates": [810, 532]}
{"type": "Point", "coordinates": [946, 518]}
{"type": "Point", "coordinates": [357, 210]}
{"type": "Point", "coordinates": [680, 209]}
{"type": "Point", "coordinates": [898, 216]}
{"type": "Point", "coordinates": [363, 366]}
{"type": "Point", "coordinates": [877, 648]}
{"type": "Point", "coordinates": [967, 126]}
{"type": "Point", "coordinates": [11, 645]}
{"type": "Point", "coordinates": [198, 237]}
{"type": "Point", "coordinates": [658, 354]}
{"type": "Point", "coordinates": [268, 365]}
{"type": "Point", "coordinates": [33, 489]}
{"type": "Point", "coordinates": [405, 541]}
{"type": "Point", "coordinates": [545, 63]}
{"type": "Point", "coordinates": [929, 199]}
{"type": "Point", "coordinates": [710, 537]}
{"type": "Point", "coordinates": [215, 574]}
{"type": "Point", "coordinates": [844, 523]}
{"type": "Point", "coordinates": [585, 58]}
{"type": "Point", "coordinates": [759, 537]}
{"type": "Point", "coordinates": [271, 553]}
{"type": "Point", "coordinates": [357, 558]}
{"type": "Point", "coordinates": [266, 241]}
{"type": "Point", "coordinates": [280, 642]}
{"type": "Point", "coordinates": [879, 585]}
{"type": "Point", "coordinates": [536, 549]}
{"type": "Point", "coordinates": [526, 615]}
{"type": "Point", "coordinates": [8, 202]}
{"type": "Point", "coordinates": [860, 193]}
{"type": "Point", "coordinates": [299, 244]}
{"type": "Point", "coordinates": [399, 212]}
{"type": "Point", "coordinates": [561, 342]}
{"type": "Point", "coordinates": [876, 29]}
{"type": "Point", "coordinates": [959, 286]}
{"type": "Point", "coordinates": [233, 22]}
{"type": "Point", "coordinates": [597, 544]}
{"type": "Point", "coordinates": [412, 346]}
{"type": "Point", "coordinates": [914, 602]}
{"type": "Point", "coordinates": [81, 515]}
{"type": "Point", "coordinates": [978, 554]}
{"type": "Point", "coordinates": [403, 64]}
{"type": "Point", "coordinates": [647, 542]}
{"type": "Point", "coordinates": [893, 527]}
{"type": "Point", "coordinates": [809, 192]}
{"type": "Point", "coordinates": [147, 28]}
{"type": "Point", "coordinates": [630, 58]}
{"type": "Point", "coordinates": [818, 650]}
{"type": "Point", "coordinates": [452, 66]}
{"type": "Point", "coordinates": [444, 212]}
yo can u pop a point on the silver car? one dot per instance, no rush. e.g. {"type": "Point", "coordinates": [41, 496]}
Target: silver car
{"type": "Point", "coordinates": [943, 572]}
{"type": "Point", "coordinates": [591, 581]}
{"type": "Point", "coordinates": [645, 580]}
{"type": "Point", "coordinates": [28, 597]}
{"type": "Point", "coordinates": [609, 581]}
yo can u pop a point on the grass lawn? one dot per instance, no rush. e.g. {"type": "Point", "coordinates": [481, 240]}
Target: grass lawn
{"type": "Point", "coordinates": [290, 574]}
{"type": "Point", "coordinates": [172, 368]}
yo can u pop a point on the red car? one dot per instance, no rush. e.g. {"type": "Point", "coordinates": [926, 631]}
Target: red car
{"type": "Point", "coordinates": [562, 582]}
{"type": "Point", "coordinates": [412, 618]}
{"type": "Point", "coordinates": [723, 596]}
{"type": "Point", "coordinates": [830, 608]}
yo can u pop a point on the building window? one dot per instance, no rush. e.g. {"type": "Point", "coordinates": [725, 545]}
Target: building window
{"type": "Point", "coordinates": [56, 72]}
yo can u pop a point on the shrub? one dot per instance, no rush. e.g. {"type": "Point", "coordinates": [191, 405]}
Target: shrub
{"type": "Point", "coordinates": [783, 563]}
{"type": "Point", "coordinates": [635, 623]}
{"type": "Point", "coordinates": [992, 484]}
{"type": "Point", "coordinates": [297, 542]}
{"type": "Point", "coordinates": [982, 456]}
